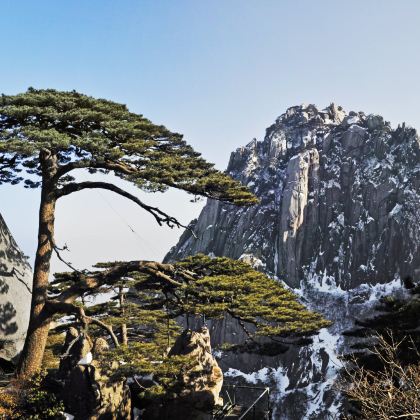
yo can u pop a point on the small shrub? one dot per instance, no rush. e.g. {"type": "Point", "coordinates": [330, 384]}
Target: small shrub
{"type": "Point", "coordinates": [30, 400]}
{"type": "Point", "coordinates": [390, 392]}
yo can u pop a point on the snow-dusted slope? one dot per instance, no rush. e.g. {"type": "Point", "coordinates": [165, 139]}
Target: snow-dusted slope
{"type": "Point", "coordinates": [15, 294]}
{"type": "Point", "coordinates": [339, 195]}
{"type": "Point", "coordinates": [339, 221]}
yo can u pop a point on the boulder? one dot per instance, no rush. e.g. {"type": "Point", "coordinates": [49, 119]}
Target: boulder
{"type": "Point", "coordinates": [202, 381]}
{"type": "Point", "coordinates": [197, 391]}
{"type": "Point", "coordinates": [89, 393]}
{"type": "Point", "coordinates": [375, 122]}
{"type": "Point", "coordinates": [76, 347]}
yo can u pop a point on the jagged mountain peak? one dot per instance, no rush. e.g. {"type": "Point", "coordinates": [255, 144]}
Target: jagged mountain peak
{"type": "Point", "coordinates": [338, 221]}
{"type": "Point", "coordinates": [333, 188]}
{"type": "Point", "coordinates": [310, 114]}
{"type": "Point", "coordinates": [304, 126]}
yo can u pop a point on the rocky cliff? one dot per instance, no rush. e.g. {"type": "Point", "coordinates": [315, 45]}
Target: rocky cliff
{"type": "Point", "coordinates": [15, 294]}
{"type": "Point", "coordinates": [338, 221]}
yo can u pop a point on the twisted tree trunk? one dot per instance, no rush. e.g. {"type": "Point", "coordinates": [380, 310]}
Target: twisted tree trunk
{"type": "Point", "coordinates": [33, 351]}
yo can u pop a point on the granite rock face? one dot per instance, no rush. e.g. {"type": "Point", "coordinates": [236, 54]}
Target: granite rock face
{"type": "Point", "coordinates": [199, 384]}
{"type": "Point", "coordinates": [338, 221]}
{"type": "Point", "coordinates": [89, 393]}
{"type": "Point", "coordinates": [15, 294]}
{"type": "Point", "coordinates": [339, 195]}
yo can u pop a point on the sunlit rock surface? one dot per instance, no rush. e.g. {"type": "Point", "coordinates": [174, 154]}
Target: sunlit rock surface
{"type": "Point", "coordinates": [15, 294]}
{"type": "Point", "coordinates": [89, 392]}
{"type": "Point", "coordinates": [339, 222]}
{"type": "Point", "coordinates": [203, 381]}
{"type": "Point", "coordinates": [198, 386]}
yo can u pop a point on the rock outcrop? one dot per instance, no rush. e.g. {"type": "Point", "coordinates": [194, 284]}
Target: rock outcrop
{"type": "Point", "coordinates": [196, 392]}
{"type": "Point", "coordinates": [202, 382]}
{"type": "Point", "coordinates": [338, 221]}
{"type": "Point", "coordinates": [88, 391]}
{"type": "Point", "coordinates": [339, 194]}
{"type": "Point", "coordinates": [15, 294]}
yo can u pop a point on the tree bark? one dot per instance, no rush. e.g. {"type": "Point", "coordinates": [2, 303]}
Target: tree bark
{"type": "Point", "coordinates": [123, 329]}
{"type": "Point", "coordinates": [32, 354]}
{"type": "Point", "coordinates": [124, 335]}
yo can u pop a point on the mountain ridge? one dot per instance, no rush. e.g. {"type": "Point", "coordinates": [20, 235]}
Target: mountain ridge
{"type": "Point", "coordinates": [321, 160]}
{"type": "Point", "coordinates": [338, 221]}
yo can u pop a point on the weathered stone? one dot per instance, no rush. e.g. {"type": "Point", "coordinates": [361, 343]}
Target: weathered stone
{"type": "Point", "coordinates": [202, 382]}
{"type": "Point", "coordinates": [15, 295]}
{"type": "Point", "coordinates": [100, 346]}
{"type": "Point", "coordinates": [339, 216]}
{"type": "Point", "coordinates": [89, 393]}
{"type": "Point", "coordinates": [114, 396]}
{"type": "Point", "coordinates": [197, 389]}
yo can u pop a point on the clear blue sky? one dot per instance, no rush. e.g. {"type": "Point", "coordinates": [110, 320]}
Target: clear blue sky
{"type": "Point", "coordinates": [218, 71]}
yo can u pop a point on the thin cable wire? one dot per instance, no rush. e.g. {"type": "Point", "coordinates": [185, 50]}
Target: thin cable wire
{"type": "Point", "coordinates": [125, 222]}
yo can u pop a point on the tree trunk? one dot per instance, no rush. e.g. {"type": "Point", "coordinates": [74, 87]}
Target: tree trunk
{"type": "Point", "coordinates": [32, 354]}
{"type": "Point", "coordinates": [123, 329]}
{"type": "Point", "coordinates": [124, 336]}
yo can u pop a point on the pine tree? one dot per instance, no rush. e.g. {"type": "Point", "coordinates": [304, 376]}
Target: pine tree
{"type": "Point", "coordinates": [155, 294]}
{"type": "Point", "coordinates": [47, 134]}
{"type": "Point", "coordinates": [198, 285]}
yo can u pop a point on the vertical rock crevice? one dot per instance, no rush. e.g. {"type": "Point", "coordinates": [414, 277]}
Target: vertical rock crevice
{"type": "Point", "coordinates": [334, 190]}
{"type": "Point", "coordinates": [338, 221]}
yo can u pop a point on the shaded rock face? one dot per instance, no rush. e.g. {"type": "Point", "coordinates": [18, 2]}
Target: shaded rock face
{"type": "Point", "coordinates": [15, 294]}
{"type": "Point", "coordinates": [88, 392]}
{"type": "Point", "coordinates": [338, 221]}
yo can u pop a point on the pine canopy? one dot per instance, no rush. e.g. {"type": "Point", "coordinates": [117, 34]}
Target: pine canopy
{"type": "Point", "coordinates": [156, 294]}
{"type": "Point", "coordinates": [82, 132]}
{"type": "Point", "coordinates": [45, 135]}
{"type": "Point", "coordinates": [199, 285]}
